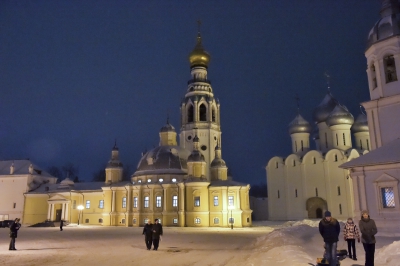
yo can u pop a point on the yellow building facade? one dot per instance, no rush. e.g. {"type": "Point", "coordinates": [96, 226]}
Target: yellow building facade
{"type": "Point", "coordinates": [181, 185]}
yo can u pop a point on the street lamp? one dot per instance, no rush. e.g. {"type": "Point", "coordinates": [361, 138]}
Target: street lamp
{"type": "Point", "coordinates": [231, 219]}
{"type": "Point", "coordinates": [80, 208]}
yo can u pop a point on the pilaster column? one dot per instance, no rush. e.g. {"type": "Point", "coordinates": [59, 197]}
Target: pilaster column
{"type": "Point", "coordinates": [181, 205]}
{"type": "Point", "coordinates": [195, 111]}
{"type": "Point", "coordinates": [113, 201]}
{"type": "Point", "coordinates": [164, 201]}
{"type": "Point", "coordinates": [224, 200]}
{"type": "Point", "coordinates": [363, 193]}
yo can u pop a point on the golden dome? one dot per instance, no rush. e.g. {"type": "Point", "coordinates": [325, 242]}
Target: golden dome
{"type": "Point", "coordinates": [199, 57]}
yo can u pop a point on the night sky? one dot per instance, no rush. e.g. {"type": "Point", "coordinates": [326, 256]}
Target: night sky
{"type": "Point", "coordinates": [76, 75]}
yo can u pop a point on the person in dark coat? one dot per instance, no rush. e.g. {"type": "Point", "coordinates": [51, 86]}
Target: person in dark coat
{"type": "Point", "coordinates": [61, 225]}
{"type": "Point", "coordinates": [368, 231]}
{"type": "Point", "coordinates": [157, 233]}
{"type": "Point", "coordinates": [14, 227]}
{"type": "Point", "coordinates": [329, 228]}
{"type": "Point", "coordinates": [148, 234]}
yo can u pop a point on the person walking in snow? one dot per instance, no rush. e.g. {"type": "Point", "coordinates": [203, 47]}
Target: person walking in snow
{"type": "Point", "coordinates": [350, 234]}
{"type": "Point", "coordinates": [368, 231]}
{"type": "Point", "coordinates": [61, 225]}
{"type": "Point", "coordinates": [148, 234]}
{"type": "Point", "coordinates": [14, 227]}
{"type": "Point", "coordinates": [157, 233]}
{"type": "Point", "coordinates": [329, 228]}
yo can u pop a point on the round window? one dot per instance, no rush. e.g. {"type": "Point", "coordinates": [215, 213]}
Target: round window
{"type": "Point", "coordinates": [204, 147]}
{"type": "Point", "coordinates": [189, 138]}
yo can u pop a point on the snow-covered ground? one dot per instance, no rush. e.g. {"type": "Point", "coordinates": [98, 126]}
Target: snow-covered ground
{"type": "Point", "coordinates": [267, 243]}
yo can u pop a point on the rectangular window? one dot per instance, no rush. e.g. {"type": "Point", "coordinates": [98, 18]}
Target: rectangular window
{"type": "Point", "coordinates": [197, 201]}
{"type": "Point", "coordinates": [124, 202]}
{"type": "Point", "coordinates": [316, 192]}
{"type": "Point", "coordinates": [338, 191]}
{"type": "Point", "coordinates": [101, 204]}
{"type": "Point", "coordinates": [146, 202]}
{"type": "Point", "coordinates": [216, 201]}
{"type": "Point", "coordinates": [134, 202]}
{"type": "Point", "coordinates": [340, 208]}
{"type": "Point", "coordinates": [216, 220]}
{"type": "Point", "coordinates": [344, 139]}
{"type": "Point", "coordinates": [295, 191]}
{"type": "Point", "coordinates": [175, 201]}
{"type": "Point", "coordinates": [387, 197]}
{"type": "Point", "coordinates": [230, 201]}
{"type": "Point", "coordinates": [14, 205]}
{"type": "Point", "coordinates": [88, 204]}
{"type": "Point", "coordinates": [175, 221]}
{"type": "Point", "coordinates": [197, 221]}
{"type": "Point", "coordinates": [279, 195]}
{"type": "Point", "coordinates": [158, 201]}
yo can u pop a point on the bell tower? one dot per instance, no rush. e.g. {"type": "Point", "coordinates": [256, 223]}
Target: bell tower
{"type": "Point", "coordinates": [200, 110]}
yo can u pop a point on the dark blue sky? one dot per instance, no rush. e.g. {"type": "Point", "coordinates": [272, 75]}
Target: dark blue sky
{"type": "Point", "coordinates": [75, 75]}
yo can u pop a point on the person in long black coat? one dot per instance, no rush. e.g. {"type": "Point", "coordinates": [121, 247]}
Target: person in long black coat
{"type": "Point", "coordinates": [157, 233]}
{"type": "Point", "coordinates": [61, 225]}
{"type": "Point", "coordinates": [329, 228]}
{"type": "Point", "coordinates": [14, 227]}
{"type": "Point", "coordinates": [148, 234]}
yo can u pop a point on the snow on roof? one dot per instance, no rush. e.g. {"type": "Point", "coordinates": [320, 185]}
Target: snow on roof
{"type": "Point", "coordinates": [387, 154]}
{"type": "Point", "coordinates": [224, 183]}
{"type": "Point", "coordinates": [21, 167]}
{"type": "Point", "coordinates": [84, 186]}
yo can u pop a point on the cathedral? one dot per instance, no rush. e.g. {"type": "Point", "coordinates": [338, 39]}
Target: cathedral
{"type": "Point", "coordinates": [341, 175]}
{"type": "Point", "coordinates": [181, 185]}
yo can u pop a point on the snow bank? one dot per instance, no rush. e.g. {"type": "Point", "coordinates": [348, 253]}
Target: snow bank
{"type": "Point", "coordinates": [388, 255]}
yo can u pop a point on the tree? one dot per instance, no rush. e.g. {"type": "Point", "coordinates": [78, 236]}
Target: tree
{"type": "Point", "coordinates": [99, 175]}
{"type": "Point", "coordinates": [259, 191]}
{"type": "Point", "coordinates": [68, 170]}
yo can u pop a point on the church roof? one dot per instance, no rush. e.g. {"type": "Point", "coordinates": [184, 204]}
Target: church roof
{"type": "Point", "coordinates": [163, 160]}
{"type": "Point", "coordinates": [21, 167]}
{"type": "Point", "coordinates": [226, 183]}
{"type": "Point", "coordinates": [387, 154]}
{"type": "Point", "coordinates": [84, 186]}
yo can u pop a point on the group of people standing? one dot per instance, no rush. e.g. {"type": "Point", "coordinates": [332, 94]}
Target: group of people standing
{"type": "Point", "coordinates": [152, 234]}
{"type": "Point", "coordinates": [329, 229]}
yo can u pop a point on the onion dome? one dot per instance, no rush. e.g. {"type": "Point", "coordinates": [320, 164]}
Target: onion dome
{"type": "Point", "coordinates": [114, 161]}
{"type": "Point", "coordinates": [322, 111]}
{"type": "Point", "coordinates": [340, 116]}
{"type": "Point", "coordinates": [218, 162]}
{"type": "Point", "coordinates": [199, 57]}
{"type": "Point", "coordinates": [361, 124]}
{"type": "Point", "coordinates": [389, 23]}
{"type": "Point", "coordinates": [196, 156]}
{"type": "Point", "coordinates": [163, 160]}
{"type": "Point", "coordinates": [315, 133]}
{"type": "Point", "coordinates": [167, 127]}
{"type": "Point", "coordinates": [299, 125]}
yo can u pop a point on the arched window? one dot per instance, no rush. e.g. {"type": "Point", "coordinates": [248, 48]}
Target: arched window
{"type": "Point", "coordinates": [390, 69]}
{"type": "Point", "coordinates": [213, 115]}
{"type": "Point", "coordinates": [203, 112]}
{"type": "Point", "coordinates": [190, 114]}
{"type": "Point", "coordinates": [373, 77]}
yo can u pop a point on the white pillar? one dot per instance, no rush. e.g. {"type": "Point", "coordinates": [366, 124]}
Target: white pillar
{"type": "Point", "coordinates": [363, 194]}
{"type": "Point", "coordinates": [66, 211]}
{"type": "Point", "coordinates": [48, 211]}
{"type": "Point", "coordinates": [63, 212]}
{"type": "Point", "coordinates": [51, 212]}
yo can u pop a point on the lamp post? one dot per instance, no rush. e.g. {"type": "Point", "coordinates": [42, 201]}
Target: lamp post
{"type": "Point", "coordinates": [231, 219]}
{"type": "Point", "coordinates": [80, 208]}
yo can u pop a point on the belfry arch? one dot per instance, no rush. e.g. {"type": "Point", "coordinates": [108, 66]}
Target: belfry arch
{"type": "Point", "coordinates": [315, 207]}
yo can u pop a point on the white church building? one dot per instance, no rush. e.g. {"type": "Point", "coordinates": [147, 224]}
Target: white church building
{"type": "Point", "coordinates": [340, 175]}
{"type": "Point", "coordinates": [375, 176]}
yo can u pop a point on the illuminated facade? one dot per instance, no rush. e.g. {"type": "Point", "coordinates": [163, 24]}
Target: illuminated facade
{"type": "Point", "coordinates": [182, 185]}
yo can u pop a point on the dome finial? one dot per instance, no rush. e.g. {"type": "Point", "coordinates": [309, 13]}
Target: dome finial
{"type": "Point", "coordinates": [199, 57]}
{"type": "Point", "coordinates": [298, 103]}
{"type": "Point", "coordinates": [328, 80]}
